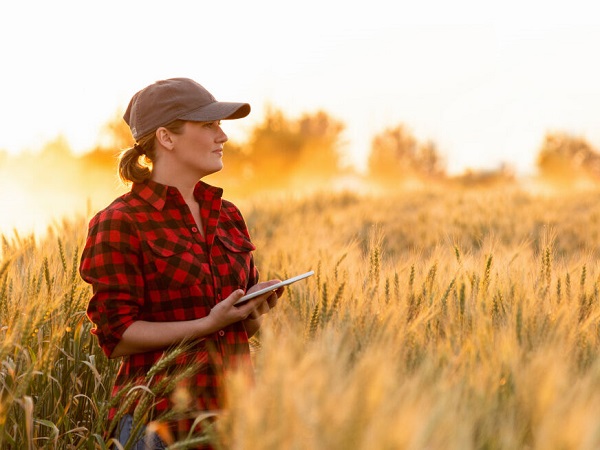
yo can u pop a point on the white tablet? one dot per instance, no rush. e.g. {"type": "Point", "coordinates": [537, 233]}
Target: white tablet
{"type": "Point", "coordinates": [274, 287]}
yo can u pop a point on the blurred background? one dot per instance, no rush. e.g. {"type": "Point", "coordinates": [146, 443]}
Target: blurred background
{"type": "Point", "coordinates": [368, 97]}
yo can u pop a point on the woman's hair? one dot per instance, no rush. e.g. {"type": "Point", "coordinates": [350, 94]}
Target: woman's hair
{"type": "Point", "coordinates": [131, 169]}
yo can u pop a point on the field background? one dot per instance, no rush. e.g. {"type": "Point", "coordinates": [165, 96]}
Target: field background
{"type": "Point", "coordinates": [448, 311]}
{"type": "Point", "coordinates": [438, 318]}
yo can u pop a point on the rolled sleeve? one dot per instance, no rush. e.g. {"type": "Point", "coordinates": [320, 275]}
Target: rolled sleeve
{"type": "Point", "coordinates": [111, 264]}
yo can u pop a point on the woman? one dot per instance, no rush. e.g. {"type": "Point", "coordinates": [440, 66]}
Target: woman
{"type": "Point", "coordinates": [168, 260]}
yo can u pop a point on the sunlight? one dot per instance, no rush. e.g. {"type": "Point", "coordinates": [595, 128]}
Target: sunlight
{"type": "Point", "coordinates": [20, 208]}
{"type": "Point", "coordinates": [33, 207]}
{"type": "Point", "coordinates": [38, 191]}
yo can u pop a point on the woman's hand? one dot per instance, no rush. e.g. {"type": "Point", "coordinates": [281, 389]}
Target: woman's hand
{"type": "Point", "coordinates": [142, 336]}
{"type": "Point", "coordinates": [226, 312]}
{"type": "Point", "coordinates": [266, 301]}
{"type": "Point", "coordinates": [261, 305]}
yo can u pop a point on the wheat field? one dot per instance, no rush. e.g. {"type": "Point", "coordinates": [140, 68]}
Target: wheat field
{"type": "Point", "coordinates": [436, 319]}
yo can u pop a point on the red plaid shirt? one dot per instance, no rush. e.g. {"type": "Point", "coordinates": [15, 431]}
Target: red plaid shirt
{"type": "Point", "coordinates": [146, 260]}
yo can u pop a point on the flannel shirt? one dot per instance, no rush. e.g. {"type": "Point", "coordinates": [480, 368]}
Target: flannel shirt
{"type": "Point", "coordinates": [146, 260]}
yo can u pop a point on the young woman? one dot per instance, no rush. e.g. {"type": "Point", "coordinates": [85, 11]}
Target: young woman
{"type": "Point", "coordinates": [168, 260]}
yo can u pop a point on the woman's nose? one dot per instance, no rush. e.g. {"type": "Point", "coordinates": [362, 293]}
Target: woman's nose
{"type": "Point", "coordinates": [222, 137]}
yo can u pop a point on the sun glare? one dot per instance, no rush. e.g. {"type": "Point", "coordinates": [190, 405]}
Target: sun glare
{"type": "Point", "coordinates": [41, 190]}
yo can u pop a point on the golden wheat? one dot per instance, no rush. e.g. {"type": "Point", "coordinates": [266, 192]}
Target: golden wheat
{"type": "Point", "coordinates": [438, 320]}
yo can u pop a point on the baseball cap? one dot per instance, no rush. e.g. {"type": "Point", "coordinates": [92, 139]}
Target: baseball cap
{"type": "Point", "coordinates": [177, 98]}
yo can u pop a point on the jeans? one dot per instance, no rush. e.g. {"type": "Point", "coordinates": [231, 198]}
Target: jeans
{"type": "Point", "coordinates": [144, 441]}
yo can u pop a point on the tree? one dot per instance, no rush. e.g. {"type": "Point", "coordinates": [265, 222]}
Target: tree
{"type": "Point", "coordinates": [115, 136]}
{"type": "Point", "coordinates": [274, 149]}
{"type": "Point", "coordinates": [320, 153]}
{"type": "Point", "coordinates": [396, 152]}
{"type": "Point", "coordinates": [563, 157]}
{"type": "Point", "coordinates": [56, 150]}
{"type": "Point", "coordinates": [285, 152]}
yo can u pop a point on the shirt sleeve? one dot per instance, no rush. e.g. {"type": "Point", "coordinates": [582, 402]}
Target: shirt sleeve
{"type": "Point", "coordinates": [111, 263]}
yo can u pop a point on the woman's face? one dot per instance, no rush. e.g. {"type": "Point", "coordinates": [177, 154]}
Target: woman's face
{"type": "Point", "coordinates": [200, 147]}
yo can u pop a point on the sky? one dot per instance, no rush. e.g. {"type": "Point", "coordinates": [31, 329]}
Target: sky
{"type": "Point", "coordinates": [483, 80]}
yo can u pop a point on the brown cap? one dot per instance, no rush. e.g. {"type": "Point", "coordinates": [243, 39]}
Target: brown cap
{"type": "Point", "coordinates": [177, 98]}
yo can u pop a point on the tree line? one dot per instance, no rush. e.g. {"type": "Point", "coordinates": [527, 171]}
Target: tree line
{"type": "Point", "coordinates": [282, 153]}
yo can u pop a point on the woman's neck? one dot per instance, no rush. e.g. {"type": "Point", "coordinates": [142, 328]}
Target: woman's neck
{"type": "Point", "coordinates": [184, 183]}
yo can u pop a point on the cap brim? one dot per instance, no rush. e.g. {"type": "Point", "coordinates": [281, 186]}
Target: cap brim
{"type": "Point", "coordinates": [218, 111]}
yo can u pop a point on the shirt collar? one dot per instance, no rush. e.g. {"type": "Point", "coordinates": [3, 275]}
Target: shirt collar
{"type": "Point", "coordinates": [204, 191]}
{"type": "Point", "coordinates": [156, 194]}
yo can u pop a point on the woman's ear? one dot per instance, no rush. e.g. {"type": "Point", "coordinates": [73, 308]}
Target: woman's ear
{"type": "Point", "coordinates": [164, 138]}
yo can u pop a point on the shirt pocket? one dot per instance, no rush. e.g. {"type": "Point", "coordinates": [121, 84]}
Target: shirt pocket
{"type": "Point", "coordinates": [236, 253]}
{"type": "Point", "coordinates": [172, 264]}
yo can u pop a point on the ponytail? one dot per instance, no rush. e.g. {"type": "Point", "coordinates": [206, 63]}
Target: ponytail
{"type": "Point", "coordinates": [135, 163]}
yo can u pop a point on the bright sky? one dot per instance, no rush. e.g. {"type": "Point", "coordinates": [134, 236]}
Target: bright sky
{"type": "Point", "coordinates": [485, 80]}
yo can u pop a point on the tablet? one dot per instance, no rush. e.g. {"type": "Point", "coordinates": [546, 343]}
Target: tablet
{"type": "Point", "coordinates": [274, 287]}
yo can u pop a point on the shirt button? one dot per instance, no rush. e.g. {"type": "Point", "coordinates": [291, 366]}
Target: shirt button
{"type": "Point", "coordinates": [194, 229]}
{"type": "Point", "coordinates": [221, 333]}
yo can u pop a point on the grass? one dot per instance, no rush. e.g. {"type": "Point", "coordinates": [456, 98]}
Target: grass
{"type": "Point", "coordinates": [435, 320]}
